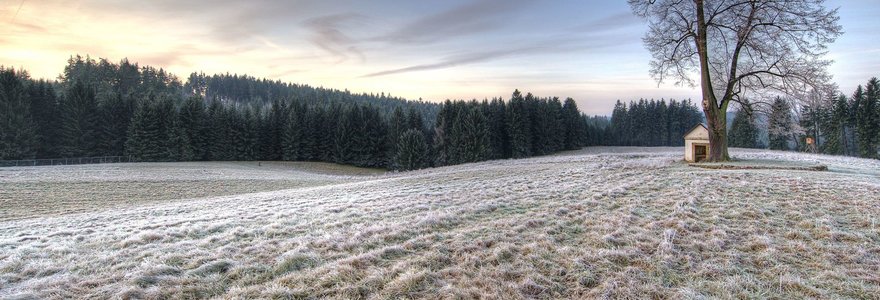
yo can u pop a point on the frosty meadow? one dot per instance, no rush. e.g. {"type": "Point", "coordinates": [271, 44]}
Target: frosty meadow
{"type": "Point", "coordinates": [456, 149]}
{"type": "Point", "coordinates": [602, 222]}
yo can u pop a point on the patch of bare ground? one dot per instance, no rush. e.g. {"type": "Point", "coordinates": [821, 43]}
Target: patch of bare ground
{"type": "Point", "coordinates": [630, 224]}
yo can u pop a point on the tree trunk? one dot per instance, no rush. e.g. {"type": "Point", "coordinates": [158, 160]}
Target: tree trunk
{"type": "Point", "coordinates": [716, 120]}
{"type": "Point", "coordinates": [716, 115]}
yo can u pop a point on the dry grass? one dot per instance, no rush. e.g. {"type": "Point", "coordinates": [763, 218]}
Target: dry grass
{"type": "Point", "coordinates": [55, 190]}
{"type": "Point", "coordinates": [631, 224]}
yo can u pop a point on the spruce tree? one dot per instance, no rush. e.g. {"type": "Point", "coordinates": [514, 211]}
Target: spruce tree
{"type": "Point", "coordinates": [619, 122]}
{"type": "Point", "coordinates": [574, 135]}
{"type": "Point", "coordinates": [443, 134]}
{"type": "Point", "coordinates": [414, 120]}
{"type": "Point", "coordinates": [472, 136]}
{"type": "Point", "coordinates": [499, 140]}
{"type": "Point", "coordinates": [79, 122]}
{"type": "Point", "coordinates": [144, 133]}
{"type": "Point", "coordinates": [554, 126]}
{"type": "Point", "coordinates": [519, 127]}
{"type": "Point", "coordinates": [744, 131]}
{"type": "Point", "coordinates": [215, 131]}
{"type": "Point", "coordinates": [376, 142]}
{"type": "Point", "coordinates": [344, 139]}
{"type": "Point", "coordinates": [867, 127]}
{"type": "Point", "coordinates": [834, 126]}
{"type": "Point", "coordinates": [412, 151]}
{"type": "Point", "coordinates": [44, 109]}
{"type": "Point", "coordinates": [192, 125]}
{"type": "Point", "coordinates": [852, 137]}
{"type": "Point", "coordinates": [780, 124]}
{"type": "Point", "coordinates": [115, 114]}
{"type": "Point", "coordinates": [397, 124]}
{"type": "Point", "coordinates": [18, 138]}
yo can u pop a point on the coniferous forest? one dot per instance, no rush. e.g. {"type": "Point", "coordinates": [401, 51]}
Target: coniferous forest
{"type": "Point", "coordinates": [100, 108]}
{"type": "Point", "coordinates": [652, 123]}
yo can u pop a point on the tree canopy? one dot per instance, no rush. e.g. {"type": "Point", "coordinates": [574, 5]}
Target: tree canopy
{"type": "Point", "coordinates": [738, 48]}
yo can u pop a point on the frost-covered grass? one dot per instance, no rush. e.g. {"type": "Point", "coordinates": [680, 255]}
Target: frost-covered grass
{"type": "Point", "coordinates": [41, 191]}
{"type": "Point", "coordinates": [623, 223]}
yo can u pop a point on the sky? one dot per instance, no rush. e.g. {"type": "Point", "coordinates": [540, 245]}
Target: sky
{"type": "Point", "coordinates": [430, 49]}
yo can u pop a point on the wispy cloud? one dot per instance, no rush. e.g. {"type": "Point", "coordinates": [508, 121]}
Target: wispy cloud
{"type": "Point", "coordinates": [326, 33]}
{"type": "Point", "coordinates": [456, 61]}
{"type": "Point", "coordinates": [617, 21]}
{"type": "Point", "coordinates": [551, 45]}
{"type": "Point", "coordinates": [474, 17]}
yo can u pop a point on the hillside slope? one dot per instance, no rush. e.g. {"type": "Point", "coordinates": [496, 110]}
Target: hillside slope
{"type": "Point", "coordinates": [601, 222]}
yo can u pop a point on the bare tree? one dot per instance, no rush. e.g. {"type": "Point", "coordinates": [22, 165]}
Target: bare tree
{"type": "Point", "coordinates": [737, 48]}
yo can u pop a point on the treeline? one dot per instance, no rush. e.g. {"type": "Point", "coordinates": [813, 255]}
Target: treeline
{"type": "Point", "coordinates": [652, 123]}
{"type": "Point", "coordinates": [847, 126]}
{"type": "Point", "coordinates": [98, 108]}
{"type": "Point", "coordinates": [524, 126]}
{"type": "Point", "coordinates": [838, 125]}
{"type": "Point", "coordinates": [248, 90]}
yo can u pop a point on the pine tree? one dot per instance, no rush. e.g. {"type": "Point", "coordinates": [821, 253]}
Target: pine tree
{"type": "Point", "coordinates": [744, 131]}
{"type": "Point", "coordinates": [674, 122]}
{"type": "Point", "coordinates": [619, 128]}
{"type": "Point", "coordinates": [345, 137]}
{"type": "Point", "coordinates": [519, 127]}
{"type": "Point", "coordinates": [247, 135]}
{"type": "Point", "coordinates": [472, 136]}
{"type": "Point", "coordinates": [215, 133]}
{"type": "Point", "coordinates": [330, 121]}
{"type": "Point", "coordinates": [18, 138]}
{"type": "Point", "coordinates": [411, 151]}
{"type": "Point", "coordinates": [867, 128]}
{"type": "Point", "coordinates": [79, 122]}
{"type": "Point", "coordinates": [44, 109]}
{"type": "Point", "coordinates": [554, 126]}
{"type": "Point", "coordinates": [397, 124]}
{"type": "Point", "coordinates": [144, 133]}
{"type": "Point", "coordinates": [311, 144]}
{"type": "Point", "coordinates": [373, 140]}
{"type": "Point", "coordinates": [442, 134]}
{"type": "Point", "coordinates": [192, 124]}
{"type": "Point", "coordinates": [834, 126]}
{"type": "Point", "coordinates": [852, 137]}
{"type": "Point", "coordinates": [498, 138]}
{"type": "Point", "coordinates": [780, 125]}
{"type": "Point", "coordinates": [115, 116]}
{"type": "Point", "coordinates": [574, 135]}
{"type": "Point", "coordinates": [414, 120]}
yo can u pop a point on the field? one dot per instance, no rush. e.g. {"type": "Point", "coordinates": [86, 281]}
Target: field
{"type": "Point", "coordinates": [596, 223]}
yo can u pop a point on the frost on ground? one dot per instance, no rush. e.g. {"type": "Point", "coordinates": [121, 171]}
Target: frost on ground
{"type": "Point", "coordinates": [52, 190]}
{"type": "Point", "coordinates": [601, 222]}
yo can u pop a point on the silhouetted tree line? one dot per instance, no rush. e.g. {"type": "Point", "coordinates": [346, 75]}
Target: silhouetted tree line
{"type": "Point", "coordinates": [98, 108]}
{"type": "Point", "coordinates": [652, 123]}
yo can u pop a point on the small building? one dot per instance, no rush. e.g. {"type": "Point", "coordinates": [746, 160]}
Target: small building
{"type": "Point", "coordinates": [696, 144]}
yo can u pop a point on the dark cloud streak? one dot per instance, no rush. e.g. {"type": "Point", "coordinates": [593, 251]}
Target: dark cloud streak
{"type": "Point", "coordinates": [455, 61]}
{"type": "Point", "coordinates": [561, 44]}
